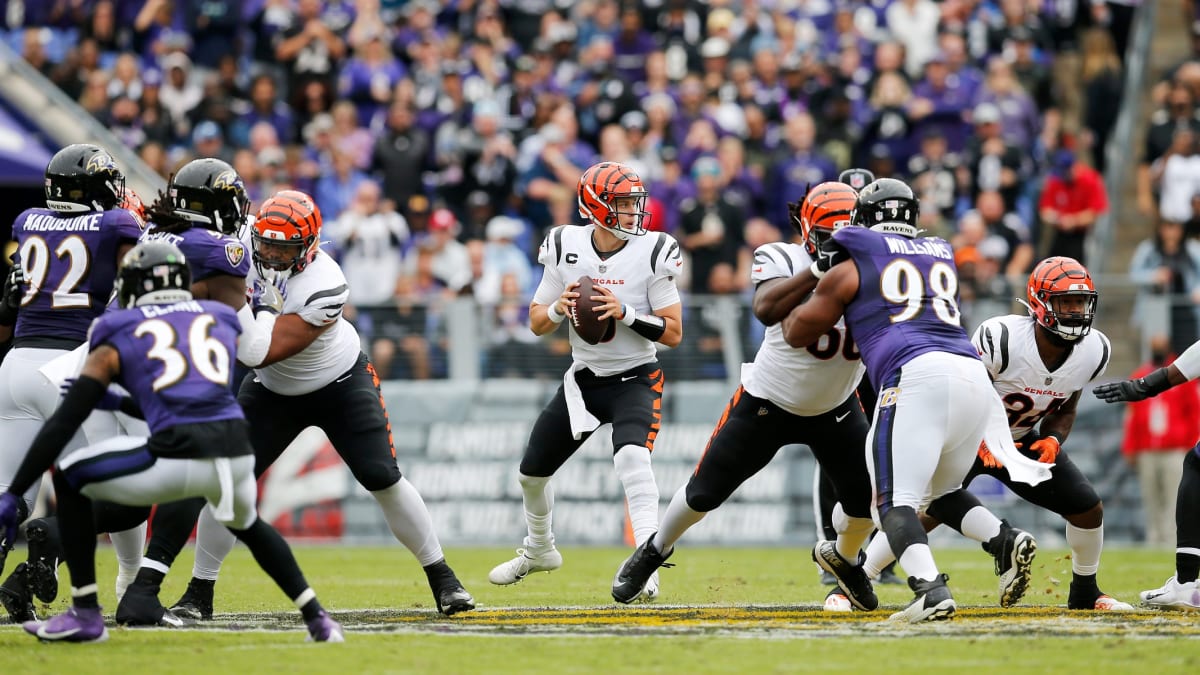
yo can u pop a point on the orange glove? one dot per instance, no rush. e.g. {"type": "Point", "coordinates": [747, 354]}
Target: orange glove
{"type": "Point", "coordinates": [1049, 448]}
{"type": "Point", "coordinates": [989, 460]}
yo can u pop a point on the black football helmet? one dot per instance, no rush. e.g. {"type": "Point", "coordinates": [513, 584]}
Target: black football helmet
{"type": "Point", "coordinates": [209, 193]}
{"type": "Point", "coordinates": [153, 272]}
{"type": "Point", "coordinates": [856, 178]}
{"type": "Point", "coordinates": [888, 205]}
{"type": "Point", "coordinates": [81, 178]}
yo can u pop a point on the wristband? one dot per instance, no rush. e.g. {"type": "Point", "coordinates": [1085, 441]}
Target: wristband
{"type": "Point", "coordinates": [552, 313]}
{"type": "Point", "coordinates": [629, 313]}
{"type": "Point", "coordinates": [816, 270]}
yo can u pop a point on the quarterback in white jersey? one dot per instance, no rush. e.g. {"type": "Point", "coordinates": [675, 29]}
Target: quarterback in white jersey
{"type": "Point", "coordinates": [787, 396]}
{"type": "Point", "coordinates": [315, 374]}
{"type": "Point", "coordinates": [616, 381]}
{"type": "Point", "coordinates": [1039, 365]}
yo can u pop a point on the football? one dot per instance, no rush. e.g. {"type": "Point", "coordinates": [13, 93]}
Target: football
{"type": "Point", "coordinates": [584, 319]}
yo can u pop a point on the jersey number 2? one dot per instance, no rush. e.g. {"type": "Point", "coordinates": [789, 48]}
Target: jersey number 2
{"type": "Point", "coordinates": [35, 257]}
{"type": "Point", "coordinates": [208, 355]}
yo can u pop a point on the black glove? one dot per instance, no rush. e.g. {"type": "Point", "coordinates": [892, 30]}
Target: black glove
{"type": "Point", "coordinates": [829, 254]}
{"type": "Point", "coordinates": [1134, 390]}
{"type": "Point", "coordinates": [10, 299]}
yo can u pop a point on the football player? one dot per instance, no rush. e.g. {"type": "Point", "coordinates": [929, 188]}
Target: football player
{"type": "Point", "coordinates": [899, 299]}
{"type": "Point", "coordinates": [199, 444]}
{"type": "Point", "coordinates": [617, 381]}
{"type": "Point", "coordinates": [787, 395]}
{"type": "Point", "coordinates": [1039, 364]}
{"type": "Point", "coordinates": [1181, 590]}
{"type": "Point", "coordinates": [203, 212]}
{"type": "Point", "coordinates": [67, 259]}
{"type": "Point", "coordinates": [314, 373]}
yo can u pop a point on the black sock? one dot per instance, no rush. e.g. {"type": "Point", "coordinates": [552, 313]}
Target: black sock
{"type": "Point", "coordinates": [1187, 567]}
{"type": "Point", "coordinates": [148, 578]}
{"type": "Point", "coordinates": [274, 557]}
{"type": "Point", "coordinates": [78, 538]}
{"type": "Point", "coordinates": [827, 499]}
{"type": "Point", "coordinates": [311, 609]}
{"type": "Point", "coordinates": [438, 570]}
{"type": "Point", "coordinates": [170, 528]}
{"type": "Point", "coordinates": [1084, 582]}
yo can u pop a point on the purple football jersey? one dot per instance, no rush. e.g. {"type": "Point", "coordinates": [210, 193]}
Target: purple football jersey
{"type": "Point", "coordinates": [208, 253]}
{"type": "Point", "coordinates": [907, 301]}
{"type": "Point", "coordinates": [176, 360]}
{"type": "Point", "coordinates": [70, 264]}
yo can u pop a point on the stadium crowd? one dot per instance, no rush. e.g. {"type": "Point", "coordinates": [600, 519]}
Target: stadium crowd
{"type": "Point", "coordinates": [441, 140]}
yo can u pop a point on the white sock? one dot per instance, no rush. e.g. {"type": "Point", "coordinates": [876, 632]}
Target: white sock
{"type": "Point", "coordinates": [1085, 549]}
{"type": "Point", "coordinates": [879, 555]}
{"type": "Point", "coordinates": [538, 499]}
{"type": "Point", "coordinates": [980, 524]}
{"type": "Point", "coordinates": [678, 518]}
{"type": "Point", "coordinates": [410, 521]}
{"type": "Point", "coordinates": [917, 561]}
{"type": "Point", "coordinates": [214, 541]}
{"type": "Point", "coordinates": [852, 533]}
{"type": "Point", "coordinates": [641, 492]}
{"type": "Point", "coordinates": [128, 546]}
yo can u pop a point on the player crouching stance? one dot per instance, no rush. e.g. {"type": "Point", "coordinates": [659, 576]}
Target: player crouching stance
{"type": "Point", "coordinates": [616, 381]}
{"type": "Point", "coordinates": [199, 443]}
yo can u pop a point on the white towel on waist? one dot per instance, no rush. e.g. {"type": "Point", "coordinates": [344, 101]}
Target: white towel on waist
{"type": "Point", "coordinates": [582, 421]}
{"type": "Point", "coordinates": [223, 510]}
{"type": "Point", "coordinates": [999, 441]}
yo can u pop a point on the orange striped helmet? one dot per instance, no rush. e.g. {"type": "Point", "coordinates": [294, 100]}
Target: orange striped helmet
{"type": "Point", "coordinates": [131, 202]}
{"type": "Point", "coordinates": [1062, 297]}
{"type": "Point", "coordinates": [287, 233]}
{"type": "Point", "coordinates": [827, 207]}
{"type": "Point", "coordinates": [609, 190]}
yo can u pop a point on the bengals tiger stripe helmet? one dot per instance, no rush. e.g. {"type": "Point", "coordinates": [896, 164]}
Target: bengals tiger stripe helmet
{"type": "Point", "coordinates": [601, 186]}
{"type": "Point", "coordinates": [286, 234]}
{"type": "Point", "coordinates": [131, 202]}
{"type": "Point", "coordinates": [1062, 297]}
{"type": "Point", "coordinates": [826, 208]}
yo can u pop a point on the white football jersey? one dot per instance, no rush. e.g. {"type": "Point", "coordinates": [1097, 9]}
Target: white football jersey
{"type": "Point", "coordinates": [1030, 391]}
{"type": "Point", "coordinates": [809, 381]}
{"type": "Point", "coordinates": [318, 295]}
{"type": "Point", "coordinates": [641, 274]}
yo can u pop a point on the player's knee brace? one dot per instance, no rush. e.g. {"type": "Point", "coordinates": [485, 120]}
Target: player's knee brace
{"type": "Point", "coordinates": [903, 528]}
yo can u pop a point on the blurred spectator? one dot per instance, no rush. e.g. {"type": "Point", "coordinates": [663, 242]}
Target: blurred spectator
{"type": "Point", "coordinates": [1017, 258]}
{"type": "Point", "coordinates": [1019, 121]}
{"type": "Point", "coordinates": [940, 103]}
{"type": "Point", "coordinates": [124, 121]}
{"type": "Point", "coordinates": [1169, 265]}
{"type": "Point", "coordinates": [371, 239]}
{"type": "Point", "coordinates": [1073, 198]}
{"type": "Point", "coordinates": [179, 94]}
{"type": "Point", "coordinates": [1158, 431]}
{"type": "Point", "coordinates": [915, 24]}
{"type": "Point", "coordinates": [449, 263]}
{"type": "Point", "coordinates": [672, 190]}
{"type": "Point", "coordinates": [208, 141]}
{"type": "Point", "coordinates": [369, 77]}
{"type": "Point", "coordinates": [933, 173]}
{"type": "Point", "coordinates": [1103, 86]}
{"type": "Point", "coordinates": [711, 231]}
{"type": "Point", "coordinates": [992, 162]}
{"type": "Point", "coordinates": [335, 190]}
{"type": "Point", "coordinates": [349, 136]}
{"type": "Point", "coordinates": [265, 106]}
{"type": "Point", "coordinates": [214, 27]}
{"type": "Point", "coordinates": [1179, 112]}
{"type": "Point", "coordinates": [742, 188]}
{"type": "Point", "coordinates": [1177, 176]}
{"type": "Point", "coordinates": [309, 49]}
{"type": "Point", "coordinates": [889, 124]}
{"type": "Point", "coordinates": [157, 122]}
{"type": "Point", "coordinates": [502, 260]}
{"type": "Point", "coordinates": [798, 165]}
{"type": "Point", "coordinates": [401, 154]}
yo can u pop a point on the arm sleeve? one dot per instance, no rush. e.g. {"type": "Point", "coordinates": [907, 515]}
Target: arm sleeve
{"type": "Point", "coordinates": [255, 340]}
{"type": "Point", "coordinates": [551, 285]}
{"type": "Point", "coordinates": [987, 341]}
{"type": "Point", "coordinates": [325, 307]}
{"type": "Point", "coordinates": [774, 261]}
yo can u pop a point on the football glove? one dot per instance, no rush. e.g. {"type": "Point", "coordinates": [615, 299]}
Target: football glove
{"type": "Point", "coordinates": [829, 254]}
{"type": "Point", "coordinates": [267, 297]}
{"type": "Point", "coordinates": [1048, 447]}
{"type": "Point", "coordinates": [10, 300]}
{"type": "Point", "coordinates": [1134, 390]}
{"type": "Point", "coordinates": [989, 460]}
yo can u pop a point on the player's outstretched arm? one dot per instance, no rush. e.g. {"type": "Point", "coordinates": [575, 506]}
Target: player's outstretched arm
{"type": "Point", "coordinates": [1186, 367]}
{"type": "Point", "coordinates": [813, 318]}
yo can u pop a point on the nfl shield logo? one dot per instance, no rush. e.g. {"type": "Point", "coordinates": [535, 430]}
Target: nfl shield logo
{"type": "Point", "coordinates": [1049, 380]}
{"type": "Point", "coordinates": [858, 181]}
{"type": "Point", "coordinates": [235, 252]}
{"type": "Point", "coordinates": [603, 269]}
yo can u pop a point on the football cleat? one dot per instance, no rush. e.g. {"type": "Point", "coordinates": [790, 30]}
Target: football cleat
{"type": "Point", "coordinates": [44, 551]}
{"type": "Point", "coordinates": [650, 592]}
{"type": "Point", "coordinates": [15, 596]}
{"type": "Point", "coordinates": [140, 607]}
{"type": "Point", "coordinates": [933, 601]}
{"type": "Point", "coordinates": [836, 601]}
{"type": "Point", "coordinates": [1174, 595]}
{"type": "Point", "coordinates": [850, 577]}
{"type": "Point", "coordinates": [196, 603]}
{"type": "Point", "coordinates": [1014, 564]}
{"type": "Point", "coordinates": [634, 575]}
{"type": "Point", "coordinates": [1107, 603]}
{"type": "Point", "coordinates": [526, 562]}
{"type": "Point", "coordinates": [77, 624]}
{"type": "Point", "coordinates": [324, 629]}
{"type": "Point", "coordinates": [448, 592]}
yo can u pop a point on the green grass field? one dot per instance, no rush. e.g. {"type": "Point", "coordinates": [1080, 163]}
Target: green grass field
{"type": "Point", "coordinates": [721, 610]}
